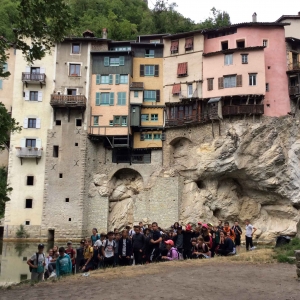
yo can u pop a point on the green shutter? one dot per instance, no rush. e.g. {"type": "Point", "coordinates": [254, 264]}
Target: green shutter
{"type": "Point", "coordinates": [106, 61]}
{"type": "Point", "coordinates": [110, 79]}
{"type": "Point", "coordinates": [117, 78]}
{"type": "Point", "coordinates": [98, 95]}
{"type": "Point", "coordinates": [98, 79]}
{"type": "Point", "coordinates": [111, 98]}
{"type": "Point", "coordinates": [124, 98]}
{"type": "Point", "coordinates": [121, 60]}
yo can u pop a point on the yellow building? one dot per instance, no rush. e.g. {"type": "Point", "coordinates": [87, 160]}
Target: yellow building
{"type": "Point", "coordinates": [146, 93]}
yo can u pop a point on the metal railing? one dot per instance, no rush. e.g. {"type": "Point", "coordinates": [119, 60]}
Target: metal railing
{"type": "Point", "coordinates": [294, 90]}
{"type": "Point", "coordinates": [36, 77]}
{"type": "Point", "coordinates": [28, 152]}
{"type": "Point", "coordinates": [185, 120]}
{"type": "Point", "coordinates": [66, 100]}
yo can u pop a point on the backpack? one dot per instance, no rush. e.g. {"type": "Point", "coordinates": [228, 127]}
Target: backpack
{"type": "Point", "coordinates": [37, 261]}
{"type": "Point", "coordinates": [180, 256]}
{"type": "Point", "coordinates": [106, 242]}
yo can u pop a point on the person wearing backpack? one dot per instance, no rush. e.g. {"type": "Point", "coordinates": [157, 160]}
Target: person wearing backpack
{"type": "Point", "coordinates": [63, 263]}
{"type": "Point", "coordinates": [108, 250]}
{"type": "Point", "coordinates": [238, 232]}
{"type": "Point", "coordinates": [37, 264]}
{"type": "Point", "coordinates": [172, 254]}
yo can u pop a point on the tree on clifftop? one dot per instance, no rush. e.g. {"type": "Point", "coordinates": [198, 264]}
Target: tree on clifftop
{"type": "Point", "coordinates": [218, 19]}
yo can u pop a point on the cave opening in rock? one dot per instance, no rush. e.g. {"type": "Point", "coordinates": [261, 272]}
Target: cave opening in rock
{"type": "Point", "coordinates": [217, 213]}
{"type": "Point", "coordinates": [296, 205]}
{"type": "Point", "coordinates": [200, 184]}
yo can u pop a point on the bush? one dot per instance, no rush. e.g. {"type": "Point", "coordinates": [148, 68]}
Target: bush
{"type": "Point", "coordinates": [284, 252]}
{"type": "Point", "coordinates": [22, 233]}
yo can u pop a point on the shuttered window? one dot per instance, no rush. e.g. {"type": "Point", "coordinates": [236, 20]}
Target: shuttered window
{"type": "Point", "coordinates": [150, 96]}
{"type": "Point", "coordinates": [182, 69]}
{"type": "Point", "coordinates": [189, 44]}
{"type": "Point", "coordinates": [117, 78]}
{"type": "Point", "coordinates": [210, 84]}
{"type": "Point", "coordinates": [220, 82]}
{"type": "Point", "coordinates": [98, 95]}
{"type": "Point", "coordinates": [98, 79]}
{"type": "Point", "coordinates": [239, 80]}
{"type": "Point", "coordinates": [174, 46]}
{"type": "Point", "coordinates": [110, 79]}
{"type": "Point", "coordinates": [104, 79]}
{"type": "Point", "coordinates": [149, 70]}
{"type": "Point", "coordinates": [123, 79]}
{"type": "Point", "coordinates": [229, 81]}
{"type": "Point", "coordinates": [121, 98]}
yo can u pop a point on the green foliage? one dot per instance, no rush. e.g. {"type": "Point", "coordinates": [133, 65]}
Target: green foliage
{"type": "Point", "coordinates": [217, 20]}
{"type": "Point", "coordinates": [22, 233]}
{"type": "Point", "coordinates": [285, 252]}
{"type": "Point", "coordinates": [4, 191]}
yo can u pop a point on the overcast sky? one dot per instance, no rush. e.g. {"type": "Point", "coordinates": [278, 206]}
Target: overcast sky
{"type": "Point", "coordinates": [239, 10]}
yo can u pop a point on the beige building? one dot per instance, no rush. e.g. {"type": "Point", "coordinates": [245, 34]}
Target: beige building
{"type": "Point", "coordinates": [6, 95]}
{"type": "Point", "coordinates": [32, 86]}
{"type": "Point", "coordinates": [293, 29]}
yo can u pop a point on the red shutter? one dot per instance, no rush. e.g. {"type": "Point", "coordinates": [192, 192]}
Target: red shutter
{"type": "Point", "coordinates": [176, 89]}
{"type": "Point", "coordinates": [174, 46]}
{"type": "Point", "coordinates": [182, 69]}
{"type": "Point", "coordinates": [189, 42]}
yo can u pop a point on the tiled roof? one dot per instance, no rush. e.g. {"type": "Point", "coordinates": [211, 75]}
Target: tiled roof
{"type": "Point", "coordinates": [233, 50]}
{"type": "Point", "coordinates": [284, 17]}
{"type": "Point", "coordinates": [137, 86]}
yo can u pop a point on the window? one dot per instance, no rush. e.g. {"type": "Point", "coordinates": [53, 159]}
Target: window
{"type": "Point", "coordinates": [154, 117]}
{"type": "Point", "coordinates": [114, 61]}
{"type": "Point", "coordinates": [75, 48]}
{"type": "Point", "coordinates": [30, 143]}
{"type": "Point", "coordinates": [210, 84]}
{"type": "Point", "coordinates": [267, 87]}
{"type": "Point", "coordinates": [157, 136]}
{"type": "Point", "coordinates": [58, 122]}
{"type": "Point", "coordinates": [104, 79]}
{"type": "Point", "coordinates": [148, 136]}
{"type": "Point", "coordinates": [123, 79]}
{"type": "Point", "coordinates": [252, 79]}
{"type": "Point", "coordinates": [96, 120]}
{"type": "Point", "coordinates": [74, 70]}
{"type": "Point", "coordinates": [240, 44]}
{"type": "Point", "coordinates": [111, 123]}
{"type": "Point", "coordinates": [154, 41]}
{"type": "Point", "coordinates": [144, 117]}
{"type": "Point", "coordinates": [136, 94]}
{"type": "Point", "coordinates": [190, 90]}
{"type": "Point", "coordinates": [27, 222]}
{"type": "Point", "coordinates": [78, 122]}
{"type": "Point", "coordinates": [244, 58]}
{"type": "Point", "coordinates": [33, 96]}
{"type": "Point", "coordinates": [35, 70]}
{"type": "Point", "coordinates": [224, 45]}
{"type": "Point", "coordinates": [149, 96]}
{"type": "Point", "coordinates": [124, 121]}
{"type": "Point", "coordinates": [149, 53]}
{"type": "Point", "coordinates": [182, 69]}
{"type": "Point", "coordinates": [117, 120]}
{"type": "Point", "coordinates": [76, 144]}
{"type": "Point", "coordinates": [265, 43]}
{"type": "Point", "coordinates": [55, 151]}
{"type": "Point", "coordinates": [174, 47]}
{"type": "Point", "coordinates": [30, 180]}
{"type": "Point", "coordinates": [28, 203]}
{"type": "Point", "coordinates": [71, 92]}
{"type": "Point", "coordinates": [31, 123]}
{"type": "Point", "coordinates": [104, 98]}
{"type": "Point", "coordinates": [5, 67]}
{"type": "Point", "coordinates": [149, 70]}
{"type": "Point", "coordinates": [121, 98]}
{"type": "Point", "coordinates": [228, 59]}
{"type": "Point", "coordinates": [67, 199]}
{"type": "Point", "coordinates": [60, 175]}
{"type": "Point", "coordinates": [229, 81]}
{"type": "Point", "coordinates": [189, 44]}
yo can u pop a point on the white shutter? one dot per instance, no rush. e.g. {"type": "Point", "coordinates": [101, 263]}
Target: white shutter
{"type": "Point", "coordinates": [27, 69]}
{"type": "Point", "coordinates": [40, 96]}
{"type": "Point", "coordinates": [25, 123]}
{"type": "Point", "coordinates": [42, 70]}
{"type": "Point", "coordinates": [38, 123]}
{"type": "Point", "coordinates": [27, 95]}
{"type": "Point", "coordinates": [38, 143]}
{"type": "Point", "coordinates": [23, 142]}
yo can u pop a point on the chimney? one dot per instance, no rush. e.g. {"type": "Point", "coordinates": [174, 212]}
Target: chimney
{"type": "Point", "coordinates": [254, 17]}
{"type": "Point", "coordinates": [104, 33]}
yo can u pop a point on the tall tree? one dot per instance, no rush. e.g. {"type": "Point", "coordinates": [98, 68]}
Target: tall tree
{"type": "Point", "coordinates": [4, 191]}
{"type": "Point", "coordinates": [217, 19]}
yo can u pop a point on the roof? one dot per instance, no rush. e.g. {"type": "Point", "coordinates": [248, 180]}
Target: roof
{"type": "Point", "coordinates": [247, 24]}
{"type": "Point", "coordinates": [182, 34]}
{"type": "Point", "coordinates": [284, 17]}
{"type": "Point", "coordinates": [234, 50]}
{"type": "Point", "coordinates": [152, 35]}
{"type": "Point", "coordinates": [213, 100]}
{"type": "Point", "coordinates": [87, 39]}
{"type": "Point", "coordinates": [147, 44]}
{"type": "Point", "coordinates": [112, 52]}
{"type": "Point", "coordinates": [137, 86]}
{"type": "Point", "coordinates": [292, 39]}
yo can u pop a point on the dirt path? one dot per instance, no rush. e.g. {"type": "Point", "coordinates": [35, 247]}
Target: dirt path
{"type": "Point", "coordinates": [220, 280]}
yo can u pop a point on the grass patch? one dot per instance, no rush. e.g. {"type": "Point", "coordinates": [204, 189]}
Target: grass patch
{"type": "Point", "coordinates": [284, 253]}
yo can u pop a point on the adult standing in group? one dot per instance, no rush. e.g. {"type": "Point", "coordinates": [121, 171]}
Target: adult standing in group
{"type": "Point", "coordinates": [238, 232]}
{"type": "Point", "coordinates": [155, 241]}
{"type": "Point", "coordinates": [249, 235]}
{"type": "Point", "coordinates": [187, 244]}
{"type": "Point", "coordinates": [138, 243]}
{"type": "Point", "coordinates": [95, 236]}
{"type": "Point", "coordinates": [37, 264]}
{"type": "Point", "coordinates": [178, 240]}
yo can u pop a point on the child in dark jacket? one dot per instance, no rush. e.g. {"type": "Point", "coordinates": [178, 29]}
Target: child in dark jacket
{"type": "Point", "coordinates": [125, 249]}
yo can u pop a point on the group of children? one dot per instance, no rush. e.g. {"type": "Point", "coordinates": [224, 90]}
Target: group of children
{"type": "Point", "coordinates": [141, 245]}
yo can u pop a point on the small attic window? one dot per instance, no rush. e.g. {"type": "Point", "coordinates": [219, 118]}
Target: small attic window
{"type": "Point", "coordinates": [88, 33]}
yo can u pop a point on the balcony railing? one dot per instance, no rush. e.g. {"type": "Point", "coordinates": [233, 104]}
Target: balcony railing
{"type": "Point", "coordinates": [294, 90]}
{"type": "Point", "coordinates": [190, 119]}
{"type": "Point", "coordinates": [243, 109]}
{"type": "Point", "coordinates": [68, 101]}
{"type": "Point", "coordinates": [28, 152]}
{"type": "Point", "coordinates": [295, 66]}
{"type": "Point", "coordinates": [33, 78]}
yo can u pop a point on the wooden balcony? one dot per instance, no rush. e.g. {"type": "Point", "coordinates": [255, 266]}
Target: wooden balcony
{"type": "Point", "coordinates": [34, 78]}
{"type": "Point", "coordinates": [186, 120]}
{"type": "Point", "coordinates": [294, 90]}
{"type": "Point", "coordinates": [243, 110]}
{"type": "Point", "coordinates": [28, 152]}
{"type": "Point", "coordinates": [295, 66]}
{"type": "Point", "coordinates": [74, 101]}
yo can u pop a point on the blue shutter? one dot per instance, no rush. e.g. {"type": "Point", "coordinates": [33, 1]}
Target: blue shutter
{"type": "Point", "coordinates": [98, 101]}
{"type": "Point", "coordinates": [106, 61]}
{"type": "Point", "coordinates": [117, 78]}
{"type": "Point", "coordinates": [110, 79]}
{"type": "Point", "coordinates": [111, 98]}
{"type": "Point", "coordinates": [1, 85]}
{"type": "Point", "coordinates": [98, 79]}
{"type": "Point", "coordinates": [121, 60]}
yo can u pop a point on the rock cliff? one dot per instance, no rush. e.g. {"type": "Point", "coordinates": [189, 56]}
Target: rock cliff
{"type": "Point", "coordinates": [251, 170]}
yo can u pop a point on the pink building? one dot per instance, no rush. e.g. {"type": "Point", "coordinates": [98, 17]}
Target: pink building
{"type": "Point", "coordinates": [244, 68]}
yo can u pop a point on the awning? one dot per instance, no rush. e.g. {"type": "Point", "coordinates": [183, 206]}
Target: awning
{"type": "Point", "coordinates": [189, 43]}
{"type": "Point", "coordinates": [138, 86]}
{"type": "Point", "coordinates": [176, 89]}
{"type": "Point", "coordinates": [213, 100]}
{"type": "Point", "coordinates": [174, 45]}
{"type": "Point", "coordinates": [182, 69]}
